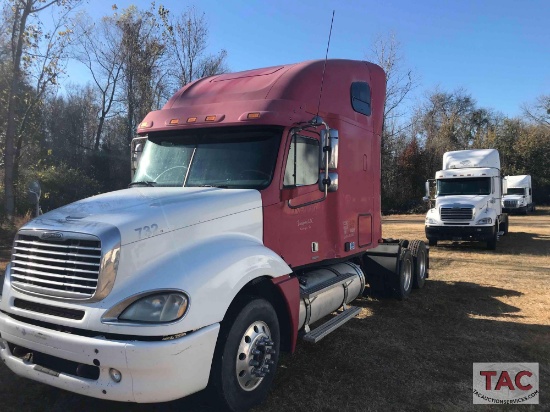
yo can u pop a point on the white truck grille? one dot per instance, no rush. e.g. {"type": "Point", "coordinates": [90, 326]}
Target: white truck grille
{"type": "Point", "coordinates": [510, 203]}
{"type": "Point", "coordinates": [453, 213]}
{"type": "Point", "coordinates": [66, 266]}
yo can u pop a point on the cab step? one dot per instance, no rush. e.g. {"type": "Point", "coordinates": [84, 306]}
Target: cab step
{"type": "Point", "coordinates": [323, 330]}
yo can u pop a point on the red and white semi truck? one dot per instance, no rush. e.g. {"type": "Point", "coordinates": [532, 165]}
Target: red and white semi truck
{"type": "Point", "coordinates": [253, 215]}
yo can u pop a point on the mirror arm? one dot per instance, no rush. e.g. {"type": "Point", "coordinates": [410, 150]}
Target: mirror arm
{"type": "Point", "coordinates": [326, 149]}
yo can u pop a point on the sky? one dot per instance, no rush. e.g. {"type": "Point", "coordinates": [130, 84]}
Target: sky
{"type": "Point", "coordinates": [497, 50]}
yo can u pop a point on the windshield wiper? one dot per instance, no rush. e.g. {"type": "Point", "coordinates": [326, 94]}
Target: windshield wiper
{"type": "Point", "coordinates": [143, 183]}
{"type": "Point", "coordinates": [217, 186]}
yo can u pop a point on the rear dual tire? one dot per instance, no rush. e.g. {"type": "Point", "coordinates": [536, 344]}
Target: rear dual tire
{"type": "Point", "coordinates": [404, 278]}
{"type": "Point", "coordinates": [420, 262]}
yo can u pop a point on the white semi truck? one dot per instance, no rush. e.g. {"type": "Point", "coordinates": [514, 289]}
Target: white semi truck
{"type": "Point", "coordinates": [468, 192]}
{"type": "Point", "coordinates": [519, 197]}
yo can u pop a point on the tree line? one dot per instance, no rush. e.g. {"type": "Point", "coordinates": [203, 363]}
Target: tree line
{"type": "Point", "coordinates": [413, 142]}
{"type": "Point", "coordinates": [76, 143]}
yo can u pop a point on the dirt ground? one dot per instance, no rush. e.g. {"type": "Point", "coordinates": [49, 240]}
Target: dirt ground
{"type": "Point", "coordinates": [416, 355]}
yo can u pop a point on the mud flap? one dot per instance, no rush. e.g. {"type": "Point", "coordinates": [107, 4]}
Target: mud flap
{"type": "Point", "coordinates": [381, 264]}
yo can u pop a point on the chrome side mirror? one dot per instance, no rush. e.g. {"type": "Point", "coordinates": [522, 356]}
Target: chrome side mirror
{"type": "Point", "coordinates": [330, 148]}
{"type": "Point", "coordinates": [328, 156]}
{"type": "Point", "coordinates": [35, 191]}
{"type": "Point", "coordinates": [332, 184]}
{"type": "Point", "coordinates": [136, 150]}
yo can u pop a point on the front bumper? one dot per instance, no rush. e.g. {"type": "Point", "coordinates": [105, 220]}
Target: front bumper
{"type": "Point", "coordinates": [152, 371]}
{"type": "Point", "coordinates": [460, 232]}
{"type": "Point", "coordinates": [517, 209]}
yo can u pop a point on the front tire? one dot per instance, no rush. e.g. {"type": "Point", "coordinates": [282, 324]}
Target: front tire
{"type": "Point", "coordinates": [504, 227]}
{"type": "Point", "coordinates": [246, 356]}
{"type": "Point", "coordinates": [492, 242]}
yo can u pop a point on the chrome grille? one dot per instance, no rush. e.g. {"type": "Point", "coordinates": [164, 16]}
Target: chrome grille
{"type": "Point", "coordinates": [510, 203]}
{"type": "Point", "coordinates": [63, 267]}
{"type": "Point", "coordinates": [452, 213]}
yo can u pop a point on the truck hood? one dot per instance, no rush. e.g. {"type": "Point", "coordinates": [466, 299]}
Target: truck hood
{"type": "Point", "coordinates": [142, 212]}
{"type": "Point", "coordinates": [476, 201]}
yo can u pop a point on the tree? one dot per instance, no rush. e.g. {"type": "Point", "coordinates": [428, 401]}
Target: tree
{"type": "Point", "coordinates": [187, 40]}
{"type": "Point", "coordinates": [69, 126]}
{"type": "Point", "coordinates": [443, 122]}
{"type": "Point", "coordinates": [98, 47]}
{"type": "Point", "coordinates": [539, 111]}
{"type": "Point", "coordinates": [142, 49]}
{"type": "Point", "coordinates": [25, 41]}
{"type": "Point", "coordinates": [400, 81]}
{"type": "Point", "coordinates": [524, 149]}
{"type": "Point", "coordinates": [411, 172]}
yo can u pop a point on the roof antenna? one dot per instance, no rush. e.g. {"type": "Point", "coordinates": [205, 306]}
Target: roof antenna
{"type": "Point", "coordinates": [325, 66]}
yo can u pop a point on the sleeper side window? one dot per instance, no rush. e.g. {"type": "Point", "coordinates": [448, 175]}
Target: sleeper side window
{"type": "Point", "coordinates": [361, 98]}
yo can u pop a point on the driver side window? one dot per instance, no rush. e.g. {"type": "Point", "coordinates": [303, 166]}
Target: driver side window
{"type": "Point", "coordinates": [302, 166]}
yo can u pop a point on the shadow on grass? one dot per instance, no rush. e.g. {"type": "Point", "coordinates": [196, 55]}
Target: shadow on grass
{"type": "Point", "coordinates": [513, 243]}
{"type": "Point", "coordinates": [411, 355]}
{"type": "Point", "coordinates": [417, 220]}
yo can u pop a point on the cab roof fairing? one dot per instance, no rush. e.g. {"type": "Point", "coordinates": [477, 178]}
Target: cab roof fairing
{"type": "Point", "coordinates": [518, 181]}
{"type": "Point", "coordinates": [465, 159]}
{"type": "Point", "coordinates": [284, 95]}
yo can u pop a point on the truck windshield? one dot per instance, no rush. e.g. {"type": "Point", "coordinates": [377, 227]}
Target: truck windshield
{"type": "Point", "coordinates": [218, 158]}
{"type": "Point", "coordinates": [464, 186]}
{"type": "Point", "coordinates": [516, 191]}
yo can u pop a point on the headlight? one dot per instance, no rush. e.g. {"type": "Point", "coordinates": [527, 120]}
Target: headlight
{"type": "Point", "coordinates": [430, 221]}
{"type": "Point", "coordinates": [157, 308]}
{"type": "Point", "coordinates": [484, 221]}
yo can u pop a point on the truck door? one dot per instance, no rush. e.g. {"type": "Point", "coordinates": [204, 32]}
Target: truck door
{"type": "Point", "coordinates": [299, 220]}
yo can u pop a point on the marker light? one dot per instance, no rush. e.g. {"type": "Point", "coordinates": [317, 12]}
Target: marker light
{"type": "Point", "coordinates": [191, 119]}
{"type": "Point", "coordinates": [210, 118]}
{"type": "Point", "coordinates": [144, 125]}
{"type": "Point", "coordinates": [174, 121]}
{"type": "Point", "coordinates": [253, 115]}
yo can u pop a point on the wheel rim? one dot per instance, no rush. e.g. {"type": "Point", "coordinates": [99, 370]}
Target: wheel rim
{"type": "Point", "coordinates": [254, 357]}
{"type": "Point", "coordinates": [407, 274]}
{"type": "Point", "coordinates": [421, 265]}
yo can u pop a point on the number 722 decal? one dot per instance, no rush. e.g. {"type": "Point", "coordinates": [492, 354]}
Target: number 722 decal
{"type": "Point", "coordinates": [147, 231]}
